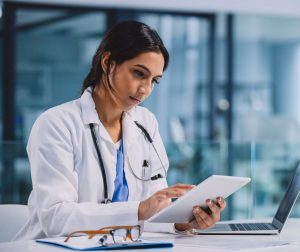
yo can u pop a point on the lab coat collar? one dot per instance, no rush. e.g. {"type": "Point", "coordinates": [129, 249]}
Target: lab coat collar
{"type": "Point", "coordinates": [88, 108]}
{"type": "Point", "coordinates": [89, 114]}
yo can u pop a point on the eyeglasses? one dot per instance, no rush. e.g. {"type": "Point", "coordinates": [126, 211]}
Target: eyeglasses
{"type": "Point", "coordinates": [119, 234]}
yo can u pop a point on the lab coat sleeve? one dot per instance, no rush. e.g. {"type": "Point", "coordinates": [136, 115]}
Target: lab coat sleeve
{"type": "Point", "coordinates": [55, 184]}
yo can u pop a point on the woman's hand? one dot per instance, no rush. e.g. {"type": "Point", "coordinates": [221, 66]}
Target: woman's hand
{"type": "Point", "coordinates": [204, 218]}
{"type": "Point", "coordinates": [160, 200]}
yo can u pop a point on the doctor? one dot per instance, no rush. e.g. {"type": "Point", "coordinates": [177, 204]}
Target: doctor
{"type": "Point", "coordinates": [99, 160]}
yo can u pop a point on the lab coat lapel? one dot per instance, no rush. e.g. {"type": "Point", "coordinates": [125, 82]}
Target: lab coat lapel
{"type": "Point", "coordinates": [88, 111]}
{"type": "Point", "coordinates": [131, 132]}
{"type": "Point", "coordinates": [134, 154]}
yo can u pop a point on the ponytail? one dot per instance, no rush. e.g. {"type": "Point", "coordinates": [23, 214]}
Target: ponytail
{"type": "Point", "coordinates": [89, 81]}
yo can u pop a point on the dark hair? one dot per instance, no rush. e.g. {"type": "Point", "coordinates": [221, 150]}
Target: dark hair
{"type": "Point", "coordinates": [124, 41]}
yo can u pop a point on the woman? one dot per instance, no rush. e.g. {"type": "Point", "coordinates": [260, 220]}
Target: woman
{"type": "Point", "coordinates": [96, 149]}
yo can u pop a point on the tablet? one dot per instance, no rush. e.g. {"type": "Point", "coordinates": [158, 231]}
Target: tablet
{"type": "Point", "coordinates": [214, 186]}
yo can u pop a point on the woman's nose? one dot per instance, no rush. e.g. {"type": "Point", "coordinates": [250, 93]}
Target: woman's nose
{"type": "Point", "coordinates": [146, 87]}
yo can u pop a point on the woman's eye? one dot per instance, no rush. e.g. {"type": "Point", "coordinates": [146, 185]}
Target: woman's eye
{"type": "Point", "coordinates": [155, 81]}
{"type": "Point", "coordinates": [139, 74]}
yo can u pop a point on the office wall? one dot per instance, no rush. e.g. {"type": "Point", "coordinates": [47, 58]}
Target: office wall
{"type": "Point", "coordinates": [53, 59]}
{"type": "Point", "coordinates": [287, 79]}
{"type": "Point", "coordinates": [263, 7]}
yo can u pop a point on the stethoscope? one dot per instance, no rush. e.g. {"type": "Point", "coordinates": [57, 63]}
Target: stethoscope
{"type": "Point", "coordinates": [145, 163]}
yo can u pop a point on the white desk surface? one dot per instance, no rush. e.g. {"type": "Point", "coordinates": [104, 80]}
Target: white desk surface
{"type": "Point", "coordinates": [289, 236]}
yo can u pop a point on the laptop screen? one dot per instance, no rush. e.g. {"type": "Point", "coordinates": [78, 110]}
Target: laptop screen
{"type": "Point", "coordinates": [289, 198]}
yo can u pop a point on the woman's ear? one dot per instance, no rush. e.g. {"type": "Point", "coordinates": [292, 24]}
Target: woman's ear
{"type": "Point", "coordinates": [105, 62]}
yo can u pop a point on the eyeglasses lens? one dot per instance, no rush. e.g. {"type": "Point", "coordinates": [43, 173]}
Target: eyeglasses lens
{"type": "Point", "coordinates": [135, 233]}
{"type": "Point", "coordinates": [120, 235]}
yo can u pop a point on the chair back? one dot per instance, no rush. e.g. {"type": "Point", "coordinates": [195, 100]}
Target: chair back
{"type": "Point", "coordinates": [12, 218]}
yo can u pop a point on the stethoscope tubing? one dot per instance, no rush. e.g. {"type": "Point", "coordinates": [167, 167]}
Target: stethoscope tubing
{"type": "Point", "coordinates": [97, 147]}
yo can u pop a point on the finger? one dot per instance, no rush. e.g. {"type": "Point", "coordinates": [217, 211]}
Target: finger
{"type": "Point", "coordinates": [197, 222]}
{"type": "Point", "coordinates": [161, 197]}
{"type": "Point", "coordinates": [173, 192]}
{"type": "Point", "coordinates": [215, 210]}
{"type": "Point", "coordinates": [183, 186]}
{"type": "Point", "coordinates": [202, 218]}
{"type": "Point", "coordinates": [168, 194]}
{"type": "Point", "coordinates": [221, 202]}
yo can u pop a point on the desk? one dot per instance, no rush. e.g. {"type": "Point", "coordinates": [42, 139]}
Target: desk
{"type": "Point", "coordinates": [290, 233]}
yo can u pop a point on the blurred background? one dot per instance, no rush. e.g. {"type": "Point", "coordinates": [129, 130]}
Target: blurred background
{"type": "Point", "coordinates": [228, 103]}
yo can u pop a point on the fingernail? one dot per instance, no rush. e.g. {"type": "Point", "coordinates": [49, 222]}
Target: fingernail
{"type": "Point", "coordinates": [208, 201]}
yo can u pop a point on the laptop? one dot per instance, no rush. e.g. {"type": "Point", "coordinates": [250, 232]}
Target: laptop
{"type": "Point", "coordinates": [274, 227]}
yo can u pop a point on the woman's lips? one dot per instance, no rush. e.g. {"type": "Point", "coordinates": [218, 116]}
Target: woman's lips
{"type": "Point", "coordinates": [135, 100]}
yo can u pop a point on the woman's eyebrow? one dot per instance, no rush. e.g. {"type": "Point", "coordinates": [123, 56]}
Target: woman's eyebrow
{"type": "Point", "coordinates": [146, 69]}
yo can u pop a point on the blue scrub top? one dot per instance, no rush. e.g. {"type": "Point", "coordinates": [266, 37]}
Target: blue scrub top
{"type": "Point", "coordinates": [121, 186]}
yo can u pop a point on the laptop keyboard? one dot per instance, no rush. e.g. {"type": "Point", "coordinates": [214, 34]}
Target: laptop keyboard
{"type": "Point", "coordinates": [251, 226]}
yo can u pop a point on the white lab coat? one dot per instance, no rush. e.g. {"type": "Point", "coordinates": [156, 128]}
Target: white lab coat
{"type": "Point", "coordinates": [66, 176]}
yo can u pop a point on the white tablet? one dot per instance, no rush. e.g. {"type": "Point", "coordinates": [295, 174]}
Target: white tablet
{"type": "Point", "coordinates": [180, 211]}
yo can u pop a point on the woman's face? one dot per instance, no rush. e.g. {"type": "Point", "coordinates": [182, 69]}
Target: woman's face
{"type": "Point", "coordinates": [133, 80]}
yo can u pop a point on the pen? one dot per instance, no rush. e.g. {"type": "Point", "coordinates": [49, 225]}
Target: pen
{"type": "Point", "coordinates": [145, 166]}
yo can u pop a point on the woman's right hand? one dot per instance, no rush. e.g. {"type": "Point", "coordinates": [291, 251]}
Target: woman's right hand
{"type": "Point", "coordinates": [160, 200]}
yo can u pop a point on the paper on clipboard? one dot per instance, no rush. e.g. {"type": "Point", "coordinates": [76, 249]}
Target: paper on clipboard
{"type": "Point", "coordinates": [82, 243]}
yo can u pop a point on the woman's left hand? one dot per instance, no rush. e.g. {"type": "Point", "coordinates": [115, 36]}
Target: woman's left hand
{"type": "Point", "coordinates": [204, 218]}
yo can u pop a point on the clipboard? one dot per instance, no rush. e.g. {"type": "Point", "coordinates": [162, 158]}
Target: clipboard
{"type": "Point", "coordinates": [82, 243]}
